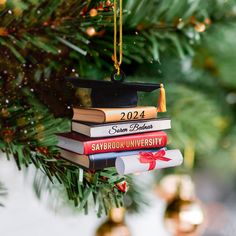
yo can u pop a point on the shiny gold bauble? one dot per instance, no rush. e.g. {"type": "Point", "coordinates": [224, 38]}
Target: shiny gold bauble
{"type": "Point", "coordinates": [175, 184]}
{"type": "Point", "coordinates": [200, 27]}
{"type": "Point", "coordinates": [108, 3]}
{"type": "Point", "coordinates": [184, 217]}
{"type": "Point", "coordinates": [115, 224]}
{"type": "Point", "coordinates": [91, 31]}
{"type": "Point", "coordinates": [93, 12]}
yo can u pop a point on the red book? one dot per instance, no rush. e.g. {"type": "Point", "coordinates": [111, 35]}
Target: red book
{"type": "Point", "coordinates": [82, 144]}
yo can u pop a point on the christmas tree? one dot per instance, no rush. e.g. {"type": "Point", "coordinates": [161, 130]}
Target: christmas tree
{"type": "Point", "coordinates": [188, 45]}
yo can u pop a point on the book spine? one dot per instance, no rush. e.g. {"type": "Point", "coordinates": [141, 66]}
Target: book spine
{"type": "Point", "coordinates": [105, 160]}
{"type": "Point", "coordinates": [126, 143]}
{"type": "Point", "coordinates": [128, 128]}
{"type": "Point", "coordinates": [136, 113]}
{"type": "Point", "coordinates": [103, 156]}
{"type": "Point", "coordinates": [99, 164]}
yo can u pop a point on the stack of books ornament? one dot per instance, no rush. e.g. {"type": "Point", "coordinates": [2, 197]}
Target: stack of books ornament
{"type": "Point", "coordinates": [115, 132]}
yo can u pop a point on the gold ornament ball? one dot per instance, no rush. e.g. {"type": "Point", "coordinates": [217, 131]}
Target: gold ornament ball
{"type": "Point", "coordinates": [175, 184]}
{"type": "Point", "coordinates": [93, 12]}
{"type": "Point", "coordinates": [2, 2]}
{"type": "Point", "coordinates": [184, 217]}
{"type": "Point", "coordinates": [108, 3]}
{"type": "Point", "coordinates": [200, 27]}
{"type": "Point", "coordinates": [91, 31]}
{"type": "Point", "coordinates": [115, 225]}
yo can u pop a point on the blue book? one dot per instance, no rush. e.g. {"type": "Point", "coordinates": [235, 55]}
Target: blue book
{"type": "Point", "coordinates": [98, 161]}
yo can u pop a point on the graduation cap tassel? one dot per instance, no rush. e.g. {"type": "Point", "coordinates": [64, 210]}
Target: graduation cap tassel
{"type": "Point", "coordinates": [162, 99]}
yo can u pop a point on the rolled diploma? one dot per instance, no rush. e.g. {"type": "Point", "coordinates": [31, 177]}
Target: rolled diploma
{"type": "Point", "coordinates": [131, 164]}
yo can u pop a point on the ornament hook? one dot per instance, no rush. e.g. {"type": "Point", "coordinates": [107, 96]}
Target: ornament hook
{"type": "Point", "coordinates": [117, 76]}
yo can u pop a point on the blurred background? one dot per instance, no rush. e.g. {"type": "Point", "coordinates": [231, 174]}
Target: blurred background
{"type": "Point", "coordinates": [189, 45]}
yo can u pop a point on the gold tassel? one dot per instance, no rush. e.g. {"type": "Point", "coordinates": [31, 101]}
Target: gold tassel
{"type": "Point", "coordinates": [162, 100]}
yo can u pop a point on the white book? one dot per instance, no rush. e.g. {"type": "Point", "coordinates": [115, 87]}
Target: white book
{"type": "Point", "coordinates": [121, 128]}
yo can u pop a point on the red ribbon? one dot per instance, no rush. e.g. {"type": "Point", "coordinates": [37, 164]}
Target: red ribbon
{"type": "Point", "coordinates": [152, 158]}
{"type": "Point", "coordinates": [122, 187]}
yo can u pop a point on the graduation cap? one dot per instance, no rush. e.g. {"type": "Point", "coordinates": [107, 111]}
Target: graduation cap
{"type": "Point", "coordinates": [118, 94]}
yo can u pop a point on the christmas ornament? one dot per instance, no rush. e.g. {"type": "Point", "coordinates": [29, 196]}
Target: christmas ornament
{"type": "Point", "coordinates": [200, 27]}
{"type": "Point", "coordinates": [184, 213]}
{"type": "Point", "coordinates": [184, 217]}
{"type": "Point", "coordinates": [115, 101]}
{"type": "Point", "coordinates": [108, 3]}
{"type": "Point", "coordinates": [169, 187]}
{"type": "Point", "coordinates": [115, 224]}
{"type": "Point", "coordinates": [90, 31]}
{"type": "Point", "coordinates": [93, 12]}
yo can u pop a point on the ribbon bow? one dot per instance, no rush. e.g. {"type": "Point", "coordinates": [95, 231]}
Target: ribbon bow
{"type": "Point", "coordinates": [152, 158]}
{"type": "Point", "coordinates": [122, 186]}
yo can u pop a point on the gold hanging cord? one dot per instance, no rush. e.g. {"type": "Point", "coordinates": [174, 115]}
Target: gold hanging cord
{"type": "Point", "coordinates": [117, 62]}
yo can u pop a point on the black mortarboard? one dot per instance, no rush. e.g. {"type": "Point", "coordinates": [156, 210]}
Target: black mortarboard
{"type": "Point", "coordinates": [116, 93]}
